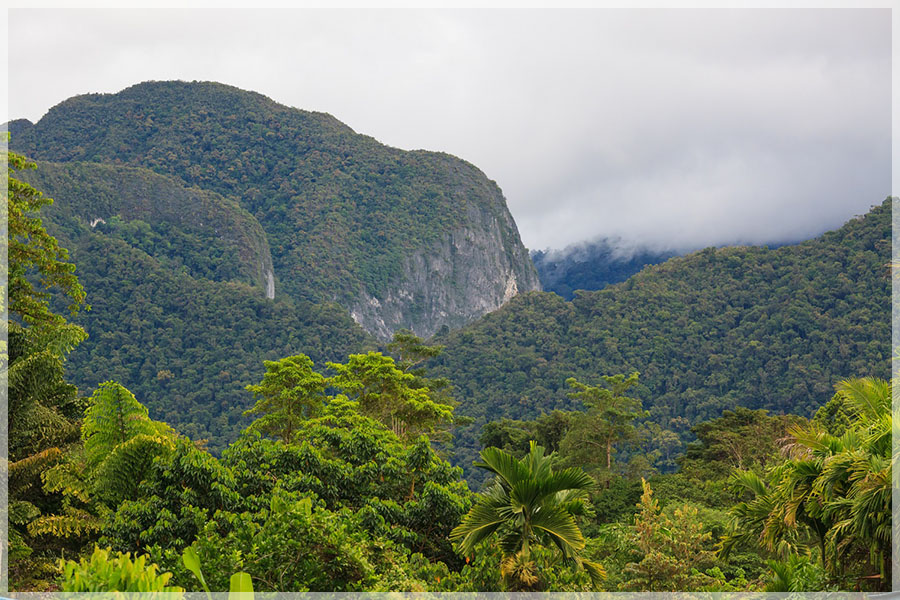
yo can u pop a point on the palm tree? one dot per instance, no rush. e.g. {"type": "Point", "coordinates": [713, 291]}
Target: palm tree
{"type": "Point", "coordinates": [857, 482]}
{"type": "Point", "coordinates": [528, 505]}
{"type": "Point", "coordinates": [834, 488]}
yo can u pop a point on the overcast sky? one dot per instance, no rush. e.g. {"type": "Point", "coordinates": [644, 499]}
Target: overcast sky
{"type": "Point", "coordinates": [667, 128]}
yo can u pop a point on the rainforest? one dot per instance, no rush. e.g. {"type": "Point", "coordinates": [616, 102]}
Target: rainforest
{"type": "Point", "coordinates": [251, 349]}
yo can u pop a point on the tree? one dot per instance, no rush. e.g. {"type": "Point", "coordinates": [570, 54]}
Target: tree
{"type": "Point", "coordinates": [43, 407]}
{"type": "Point", "coordinates": [33, 251]}
{"type": "Point", "coordinates": [857, 482]}
{"type": "Point", "coordinates": [120, 442]}
{"type": "Point", "coordinates": [41, 403]}
{"type": "Point", "coordinates": [289, 393]}
{"type": "Point", "coordinates": [740, 439]}
{"type": "Point", "coordinates": [670, 550]}
{"type": "Point", "coordinates": [411, 351]}
{"type": "Point", "coordinates": [388, 395]}
{"type": "Point", "coordinates": [514, 436]}
{"type": "Point", "coordinates": [528, 505]}
{"type": "Point", "coordinates": [352, 461]}
{"type": "Point", "coordinates": [609, 419]}
{"type": "Point", "coordinates": [829, 492]}
{"type": "Point", "coordinates": [785, 512]}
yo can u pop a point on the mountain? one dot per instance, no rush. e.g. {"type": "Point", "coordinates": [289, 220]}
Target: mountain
{"type": "Point", "coordinates": [716, 329]}
{"type": "Point", "coordinates": [590, 266]}
{"type": "Point", "coordinates": [179, 281]}
{"type": "Point", "coordinates": [402, 239]}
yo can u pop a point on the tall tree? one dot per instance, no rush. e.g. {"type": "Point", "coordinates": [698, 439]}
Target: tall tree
{"type": "Point", "coordinates": [857, 483]}
{"type": "Point", "coordinates": [43, 408]}
{"type": "Point", "coordinates": [388, 394]}
{"type": "Point", "coordinates": [290, 392]}
{"type": "Point", "coordinates": [609, 419]}
{"type": "Point", "coordinates": [670, 550]}
{"type": "Point", "coordinates": [411, 351]}
{"type": "Point", "coordinates": [34, 253]}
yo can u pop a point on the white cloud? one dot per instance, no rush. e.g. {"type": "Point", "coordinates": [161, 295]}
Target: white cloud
{"type": "Point", "coordinates": [672, 128]}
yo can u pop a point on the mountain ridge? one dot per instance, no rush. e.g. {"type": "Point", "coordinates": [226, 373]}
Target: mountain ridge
{"type": "Point", "coordinates": [364, 208]}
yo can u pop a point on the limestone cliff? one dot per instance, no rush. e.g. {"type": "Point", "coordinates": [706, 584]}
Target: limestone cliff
{"type": "Point", "coordinates": [472, 270]}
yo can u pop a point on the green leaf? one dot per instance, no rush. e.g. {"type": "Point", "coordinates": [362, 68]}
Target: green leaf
{"type": "Point", "coordinates": [241, 587]}
{"type": "Point", "coordinates": [192, 563]}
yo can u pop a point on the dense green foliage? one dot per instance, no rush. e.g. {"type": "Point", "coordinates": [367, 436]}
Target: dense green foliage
{"type": "Point", "coordinates": [708, 332]}
{"type": "Point", "coordinates": [362, 206]}
{"type": "Point", "coordinates": [174, 317]}
{"type": "Point", "coordinates": [103, 573]}
{"type": "Point", "coordinates": [338, 510]}
{"type": "Point", "coordinates": [336, 485]}
{"type": "Point", "coordinates": [590, 266]}
{"type": "Point", "coordinates": [187, 229]}
{"type": "Point", "coordinates": [186, 347]}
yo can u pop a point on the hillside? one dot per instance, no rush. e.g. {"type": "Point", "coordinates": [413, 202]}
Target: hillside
{"type": "Point", "coordinates": [716, 329]}
{"type": "Point", "coordinates": [176, 280]}
{"type": "Point", "coordinates": [401, 239]}
{"type": "Point", "coordinates": [189, 229]}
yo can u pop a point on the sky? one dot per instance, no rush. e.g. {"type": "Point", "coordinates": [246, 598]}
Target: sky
{"type": "Point", "coordinates": [668, 129]}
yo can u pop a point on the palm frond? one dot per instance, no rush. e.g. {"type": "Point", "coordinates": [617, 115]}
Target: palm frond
{"type": "Point", "coordinates": [504, 465]}
{"type": "Point", "coordinates": [560, 527]}
{"type": "Point", "coordinates": [869, 396]}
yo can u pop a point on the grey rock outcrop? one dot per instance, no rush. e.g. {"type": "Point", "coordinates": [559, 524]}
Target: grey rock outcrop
{"type": "Point", "coordinates": [471, 271]}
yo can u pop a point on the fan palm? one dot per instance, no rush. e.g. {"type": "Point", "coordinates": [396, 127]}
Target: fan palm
{"type": "Point", "coordinates": [528, 504]}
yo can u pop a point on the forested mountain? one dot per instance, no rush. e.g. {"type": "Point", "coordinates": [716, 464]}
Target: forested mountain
{"type": "Point", "coordinates": [176, 278]}
{"type": "Point", "coordinates": [717, 329]}
{"type": "Point", "coordinates": [590, 266]}
{"type": "Point", "coordinates": [402, 239]}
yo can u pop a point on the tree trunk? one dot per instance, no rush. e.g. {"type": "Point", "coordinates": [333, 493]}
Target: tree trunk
{"type": "Point", "coordinates": [609, 454]}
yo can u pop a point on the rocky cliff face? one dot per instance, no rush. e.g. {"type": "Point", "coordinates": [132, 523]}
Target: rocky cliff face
{"type": "Point", "coordinates": [471, 271]}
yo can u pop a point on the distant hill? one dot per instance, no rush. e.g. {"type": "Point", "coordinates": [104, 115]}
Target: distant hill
{"type": "Point", "coordinates": [716, 329]}
{"type": "Point", "coordinates": [590, 266]}
{"type": "Point", "coordinates": [401, 239]}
